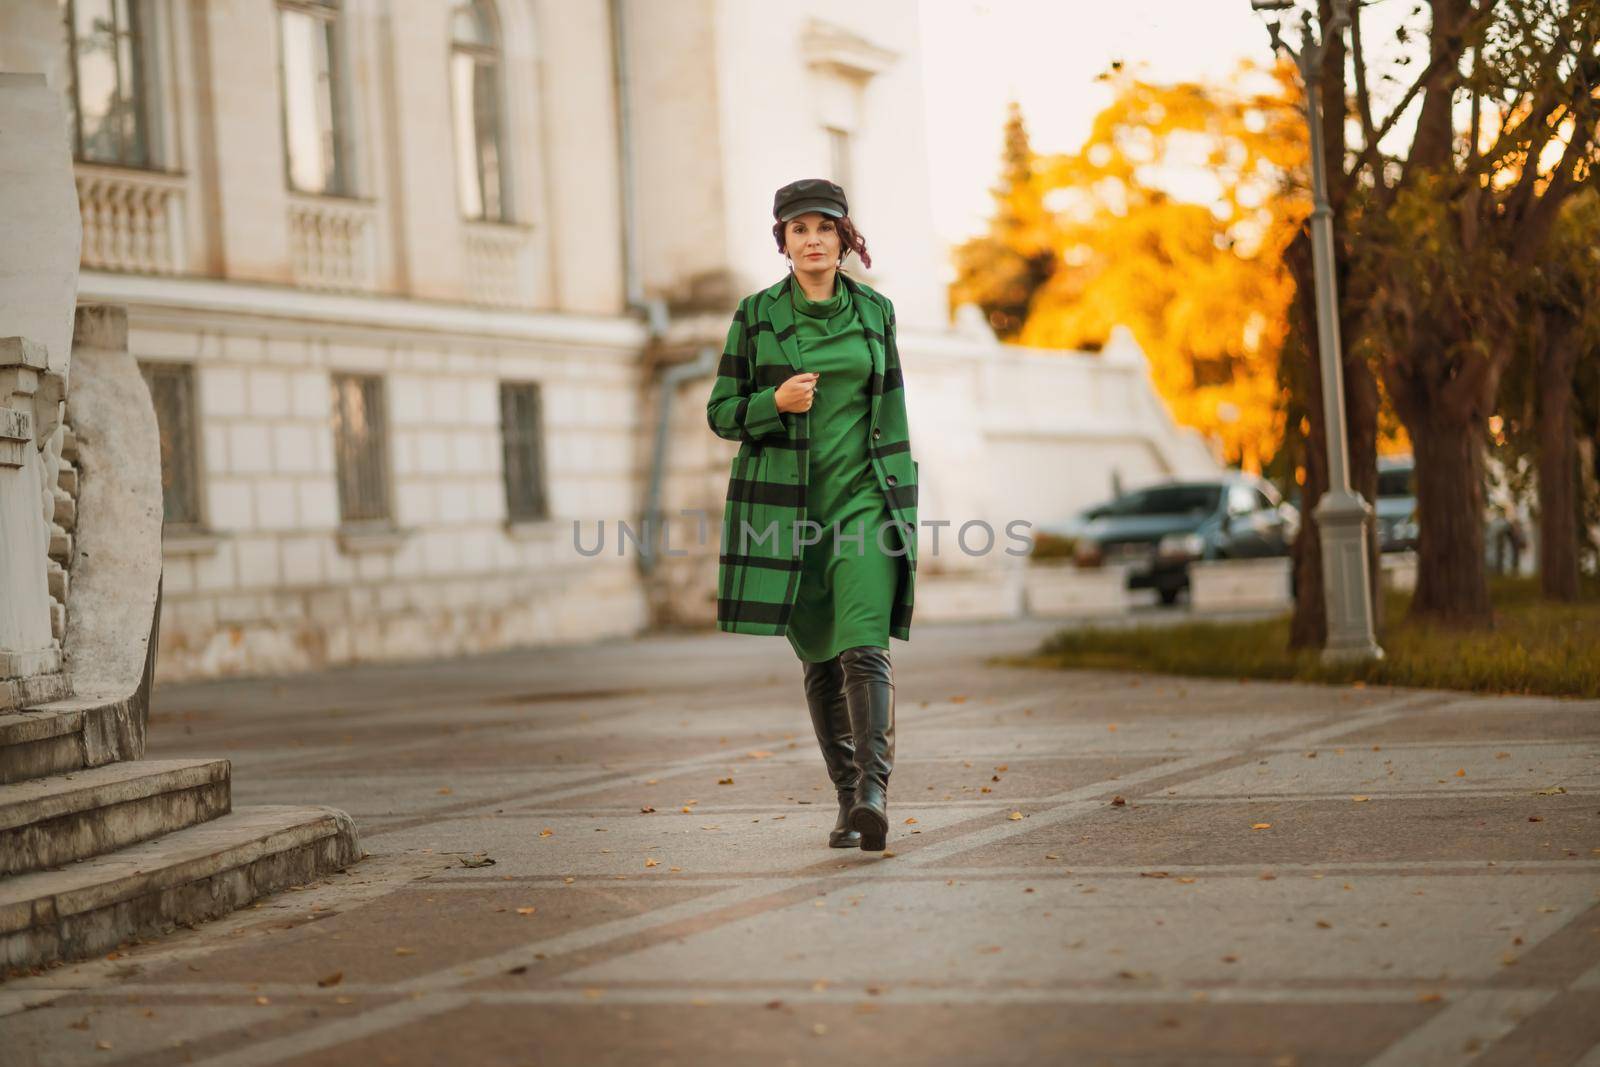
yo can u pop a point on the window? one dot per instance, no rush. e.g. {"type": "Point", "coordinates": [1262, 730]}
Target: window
{"type": "Point", "coordinates": [1396, 481]}
{"type": "Point", "coordinates": [475, 99]}
{"type": "Point", "coordinates": [521, 434]}
{"type": "Point", "coordinates": [315, 154]}
{"type": "Point", "coordinates": [839, 157]}
{"type": "Point", "coordinates": [1201, 499]}
{"type": "Point", "coordinates": [360, 437]}
{"type": "Point", "coordinates": [172, 392]}
{"type": "Point", "coordinates": [111, 94]}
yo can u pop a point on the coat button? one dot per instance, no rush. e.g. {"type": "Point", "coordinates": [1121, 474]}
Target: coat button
{"type": "Point", "coordinates": [876, 434]}
{"type": "Point", "coordinates": [891, 479]}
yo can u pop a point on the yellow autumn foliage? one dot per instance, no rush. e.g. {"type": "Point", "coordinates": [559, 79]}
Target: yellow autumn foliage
{"type": "Point", "coordinates": [1172, 219]}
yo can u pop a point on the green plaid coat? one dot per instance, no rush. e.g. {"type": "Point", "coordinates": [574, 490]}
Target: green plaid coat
{"type": "Point", "coordinates": [758, 570]}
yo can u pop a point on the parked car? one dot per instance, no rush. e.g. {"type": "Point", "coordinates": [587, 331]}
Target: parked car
{"type": "Point", "coordinates": [1158, 531]}
{"type": "Point", "coordinates": [1396, 510]}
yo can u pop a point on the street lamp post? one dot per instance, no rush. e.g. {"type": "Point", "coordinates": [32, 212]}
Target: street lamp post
{"type": "Point", "coordinates": [1343, 516]}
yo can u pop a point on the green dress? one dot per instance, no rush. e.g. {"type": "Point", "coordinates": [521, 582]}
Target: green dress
{"type": "Point", "coordinates": [845, 594]}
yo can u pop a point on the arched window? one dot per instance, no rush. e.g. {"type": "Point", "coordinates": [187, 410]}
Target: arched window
{"type": "Point", "coordinates": [316, 153]}
{"type": "Point", "coordinates": [475, 98]}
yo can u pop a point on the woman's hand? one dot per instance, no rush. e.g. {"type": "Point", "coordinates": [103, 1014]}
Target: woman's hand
{"type": "Point", "coordinates": [796, 394]}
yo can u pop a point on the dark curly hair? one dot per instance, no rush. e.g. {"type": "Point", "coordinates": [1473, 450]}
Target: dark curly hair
{"type": "Point", "coordinates": [850, 240]}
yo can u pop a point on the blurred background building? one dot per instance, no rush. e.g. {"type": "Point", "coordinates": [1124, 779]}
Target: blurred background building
{"type": "Point", "coordinates": [406, 278]}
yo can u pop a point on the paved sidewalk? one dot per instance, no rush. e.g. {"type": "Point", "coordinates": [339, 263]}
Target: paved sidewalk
{"type": "Point", "coordinates": [1087, 868]}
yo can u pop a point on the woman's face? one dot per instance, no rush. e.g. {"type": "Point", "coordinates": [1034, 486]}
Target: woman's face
{"type": "Point", "coordinates": [812, 241]}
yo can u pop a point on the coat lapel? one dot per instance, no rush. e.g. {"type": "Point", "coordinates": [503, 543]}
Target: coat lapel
{"type": "Point", "coordinates": [780, 313]}
{"type": "Point", "coordinates": [872, 319]}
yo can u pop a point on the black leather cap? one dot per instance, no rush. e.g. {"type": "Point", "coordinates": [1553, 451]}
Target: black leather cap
{"type": "Point", "coordinates": [809, 194]}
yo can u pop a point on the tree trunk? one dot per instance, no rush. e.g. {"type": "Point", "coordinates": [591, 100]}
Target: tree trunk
{"type": "Point", "coordinates": [1308, 626]}
{"type": "Point", "coordinates": [1558, 502]}
{"type": "Point", "coordinates": [1452, 586]}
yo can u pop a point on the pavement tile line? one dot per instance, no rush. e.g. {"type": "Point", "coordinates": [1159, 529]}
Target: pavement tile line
{"type": "Point", "coordinates": [840, 993]}
{"type": "Point", "coordinates": [432, 993]}
{"type": "Point", "coordinates": [1442, 1041]}
{"type": "Point", "coordinates": [296, 757]}
{"type": "Point", "coordinates": [533, 730]}
{"type": "Point", "coordinates": [1441, 868]}
{"type": "Point", "coordinates": [1373, 795]}
{"type": "Point", "coordinates": [1072, 803]}
{"type": "Point", "coordinates": [606, 780]}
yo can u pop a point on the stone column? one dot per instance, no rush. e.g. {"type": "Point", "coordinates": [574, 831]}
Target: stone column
{"type": "Point", "coordinates": [30, 404]}
{"type": "Point", "coordinates": [40, 240]}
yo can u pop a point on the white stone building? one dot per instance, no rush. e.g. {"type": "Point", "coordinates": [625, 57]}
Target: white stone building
{"type": "Point", "coordinates": [407, 278]}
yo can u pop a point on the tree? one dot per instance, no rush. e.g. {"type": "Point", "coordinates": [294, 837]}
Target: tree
{"type": "Point", "coordinates": [1001, 270]}
{"type": "Point", "coordinates": [1445, 231]}
{"type": "Point", "coordinates": [1543, 394]}
{"type": "Point", "coordinates": [1171, 220]}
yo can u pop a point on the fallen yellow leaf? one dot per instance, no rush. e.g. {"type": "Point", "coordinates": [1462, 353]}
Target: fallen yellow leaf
{"type": "Point", "coordinates": [1261, 826]}
{"type": "Point", "coordinates": [1014, 815]}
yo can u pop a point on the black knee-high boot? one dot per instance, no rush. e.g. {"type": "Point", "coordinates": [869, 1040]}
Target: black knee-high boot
{"type": "Point", "coordinates": [869, 694]}
{"type": "Point", "coordinates": [831, 720]}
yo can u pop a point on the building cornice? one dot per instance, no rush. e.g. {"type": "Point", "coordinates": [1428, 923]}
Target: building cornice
{"type": "Point", "coordinates": [280, 303]}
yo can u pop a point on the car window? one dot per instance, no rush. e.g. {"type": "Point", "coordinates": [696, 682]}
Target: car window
{"type": "Point", "coordinates": [1168, 500]}
{"type": "Point", "coordinates": [1396, 482]}
{"type": "Point", "coordinates": [1263, 502]}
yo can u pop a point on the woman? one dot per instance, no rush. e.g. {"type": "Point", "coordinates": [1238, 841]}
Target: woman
{"type": "Point", "coordinates": [818, 534]}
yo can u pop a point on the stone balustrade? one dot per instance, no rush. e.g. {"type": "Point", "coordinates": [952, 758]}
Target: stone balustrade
{"type": "Point", "coordinates": [496, 256]}
{"type": "Point", "coordinates": [331, 243]}
{"type": "Point", "coordinates": [132, 219]}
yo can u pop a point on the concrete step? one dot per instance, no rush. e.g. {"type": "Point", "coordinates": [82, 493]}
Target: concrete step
{"type": "Point", "coordinates": [62, 736]}
{"type": "Point", "coordinates": [181, 878]}
{"type": "Point", "coordinates": [34, 744]}
{"type": "Point", "coordinates": [47, 822]}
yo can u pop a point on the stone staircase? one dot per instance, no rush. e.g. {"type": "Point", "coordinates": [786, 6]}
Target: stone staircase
{"type": "Point", "coordinates": [92, 855]}
{"type": "Point", "coordinates": [97, 844]}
